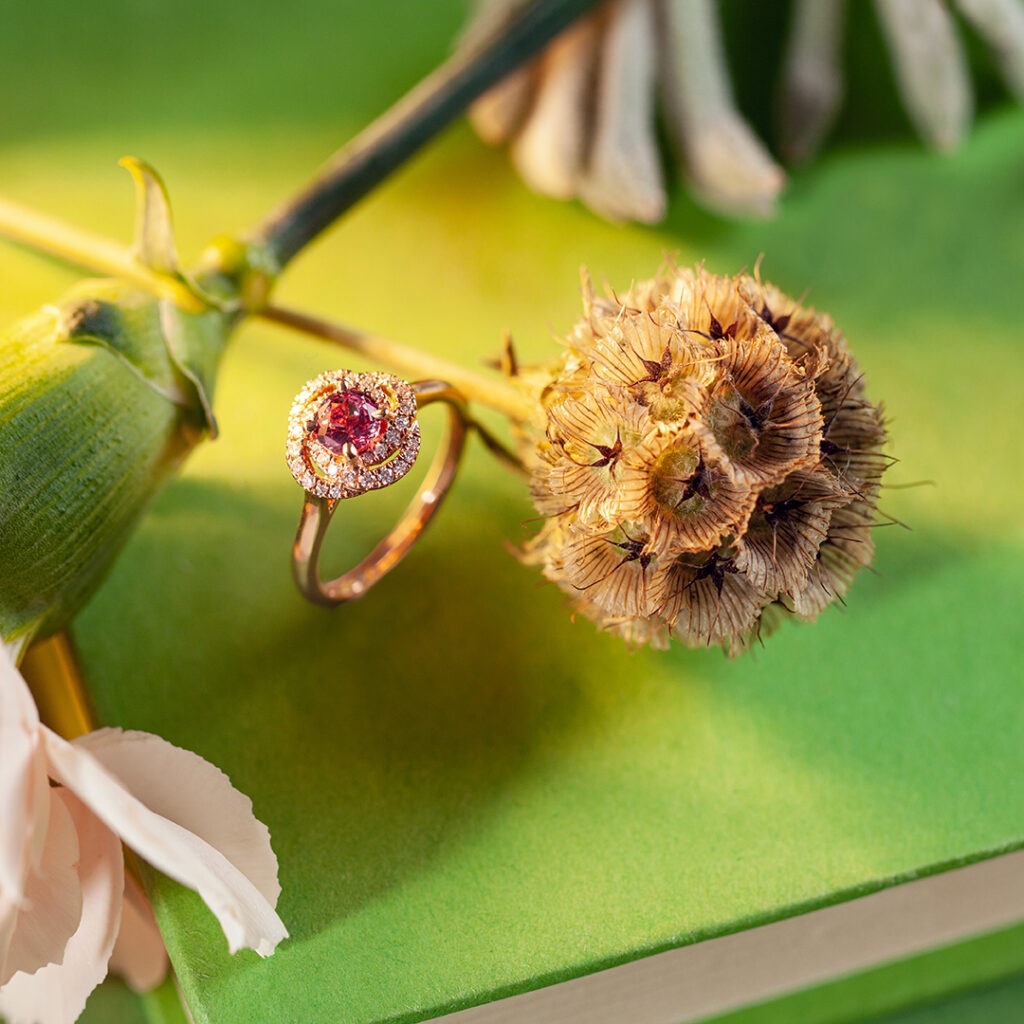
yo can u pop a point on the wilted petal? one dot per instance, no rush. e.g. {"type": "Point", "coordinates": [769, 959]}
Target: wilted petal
{"type": "Point", "coordinates": [24, 798]}
{"type": "Point", "coordinates": [497, 115]}
{"type": "Point", "coordinates": [730, 169]}
{"type": "Point", "coordinates": [139, 956]}
{"type": "Point", "coordinates": [192, 790]}
{"type": "Point", "coordinates": [56, 994]}
{"type": "Point", "coordinates": [52, 907]}
{"type": "Point", "coordinates": [812, 86]}
{"type": "Point", "coordinates": [622, 179]}
{"type": "Point", "coordinates": [1001, 24]}
{"type": "Point", "coordinates": [930, 67]}
{"type": "Point", "coordinates": [551, 148]}
{"type": "Point", "coordinates": [499, 112]}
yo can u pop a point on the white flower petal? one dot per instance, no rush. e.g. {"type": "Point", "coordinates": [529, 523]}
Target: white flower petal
{"type": "Point", "coordinates": [185, 788]}
{"type": "Point", "coordinates": [52, 908]}
{"type": "Point", "coordinates": [729, 168]}
{"type": "Point", "coordinates": [930, 67]}
{"type": "Point", "coordinates": [24, 797]}
{"type": "Point", "coordinates": [622, 178]}
{"type": "Point", "coordinates": [550, 150]}
{"type": "Point", "coordinates": [56, 994]}
{"type": "Point", "coordinates": [1001, 24]}
{"type": "Point", "coordinates": [139, 956]}
{"type": "Point", "coordinates": [812, 86]}
{"type": "Point", "coordinates": [244, 912]}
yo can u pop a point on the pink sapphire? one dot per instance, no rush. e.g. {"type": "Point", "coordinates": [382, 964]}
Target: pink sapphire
{"type": "Point", "coordinates": [349, 417]}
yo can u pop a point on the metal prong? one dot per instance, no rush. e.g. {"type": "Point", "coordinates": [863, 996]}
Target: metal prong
{"type": "Point", "coordinates": [348, 449]}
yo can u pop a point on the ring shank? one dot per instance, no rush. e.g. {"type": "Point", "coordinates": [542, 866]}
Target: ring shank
{"type": "Point", "coordinates": [317, 513]}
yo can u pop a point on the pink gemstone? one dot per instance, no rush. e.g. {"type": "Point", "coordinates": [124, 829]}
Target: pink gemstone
{"type": "Point", "coordinates": [349, 417]}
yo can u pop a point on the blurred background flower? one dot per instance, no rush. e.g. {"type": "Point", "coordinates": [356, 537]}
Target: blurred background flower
{"type": "Point", "coordinates": [581, 121]}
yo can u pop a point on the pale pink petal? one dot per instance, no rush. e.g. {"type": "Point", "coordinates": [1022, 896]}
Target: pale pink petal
{"type": "Point", "coordinates": [185, 788]}
{"type": "Point", "coordinates": [56, 994]}
{"type": "Point", "coordinates": [622, 178]}
{"type": "Point", "coordinates": [52, 907]}
{"type": "Point", "coordinates": [244, 912]}
{"type": "Point", "coordinates": [551, 147]}
{"type": "Point", "coordinates": [24, 796]}
{"type": "Point", "coordinates": [140, 956]}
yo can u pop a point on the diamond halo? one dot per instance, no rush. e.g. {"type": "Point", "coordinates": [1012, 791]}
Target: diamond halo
{"type": "Point", "coordinates": [349, 433]}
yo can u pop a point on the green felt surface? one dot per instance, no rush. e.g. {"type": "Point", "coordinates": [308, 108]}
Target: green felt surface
{"type": "Point", "coordinates": [114, 1003]}
{"type": "Point", "coordinates": [995, 1004]}
{"type": "Point", "coordinates": [470, 794]}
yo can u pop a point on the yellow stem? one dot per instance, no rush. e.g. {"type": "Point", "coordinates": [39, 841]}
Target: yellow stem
{"type": "Point", "coordinates": [95, 253]}
{"type": "Point", "coordinates": [51, 669]}
{"type": "Point", "coordinates": [505, 396]}
{"type": "Point", "coordinates": [52, 672]}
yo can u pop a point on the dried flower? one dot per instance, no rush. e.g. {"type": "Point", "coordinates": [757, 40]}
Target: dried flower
{"type": "Point", "coordinates": [709, 453]}
{"type": "Point", "coordinates": [581, 119]}
{"type": "Point", "coordinates": [66, 807]}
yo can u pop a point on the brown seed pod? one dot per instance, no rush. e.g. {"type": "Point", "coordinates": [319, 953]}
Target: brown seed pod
{"type": "Point", "coordinates": [710, 453]}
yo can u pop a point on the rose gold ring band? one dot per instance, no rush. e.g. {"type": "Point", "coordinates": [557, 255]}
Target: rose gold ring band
{"type": "Point", "coordinates": [318, 508]}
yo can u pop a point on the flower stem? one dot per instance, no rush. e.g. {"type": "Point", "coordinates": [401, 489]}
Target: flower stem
{"type": "Point", "coordinates": [95, 253]}
{"type": "Point", "coordinates": [505, 396]}
{"type": "Point", "coordinates": [415, 119]}
{"type": "Point", "coordinates": [51, 670]}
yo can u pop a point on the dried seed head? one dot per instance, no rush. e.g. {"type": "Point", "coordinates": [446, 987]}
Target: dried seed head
{"type": "Point", "coordinates": [709, 455]}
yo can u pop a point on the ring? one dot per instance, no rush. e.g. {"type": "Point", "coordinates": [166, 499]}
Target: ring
{"type": "Point", "coordinates": [349, 433]}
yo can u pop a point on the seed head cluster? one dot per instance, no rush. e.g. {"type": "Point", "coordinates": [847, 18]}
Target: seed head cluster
{"type": "Point", "coordinates": [709, 460]}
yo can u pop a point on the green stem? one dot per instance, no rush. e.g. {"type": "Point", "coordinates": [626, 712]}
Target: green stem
{"type": "Point", "coordinates": [412, 121]}
{"type": "Point", "coordinates": [505, 396]}
{"type": "Point", "coordinates": [95, 253]}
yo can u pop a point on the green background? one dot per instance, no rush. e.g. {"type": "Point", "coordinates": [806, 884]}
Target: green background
{"type": "Point", "coordinates": [468, 792]}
